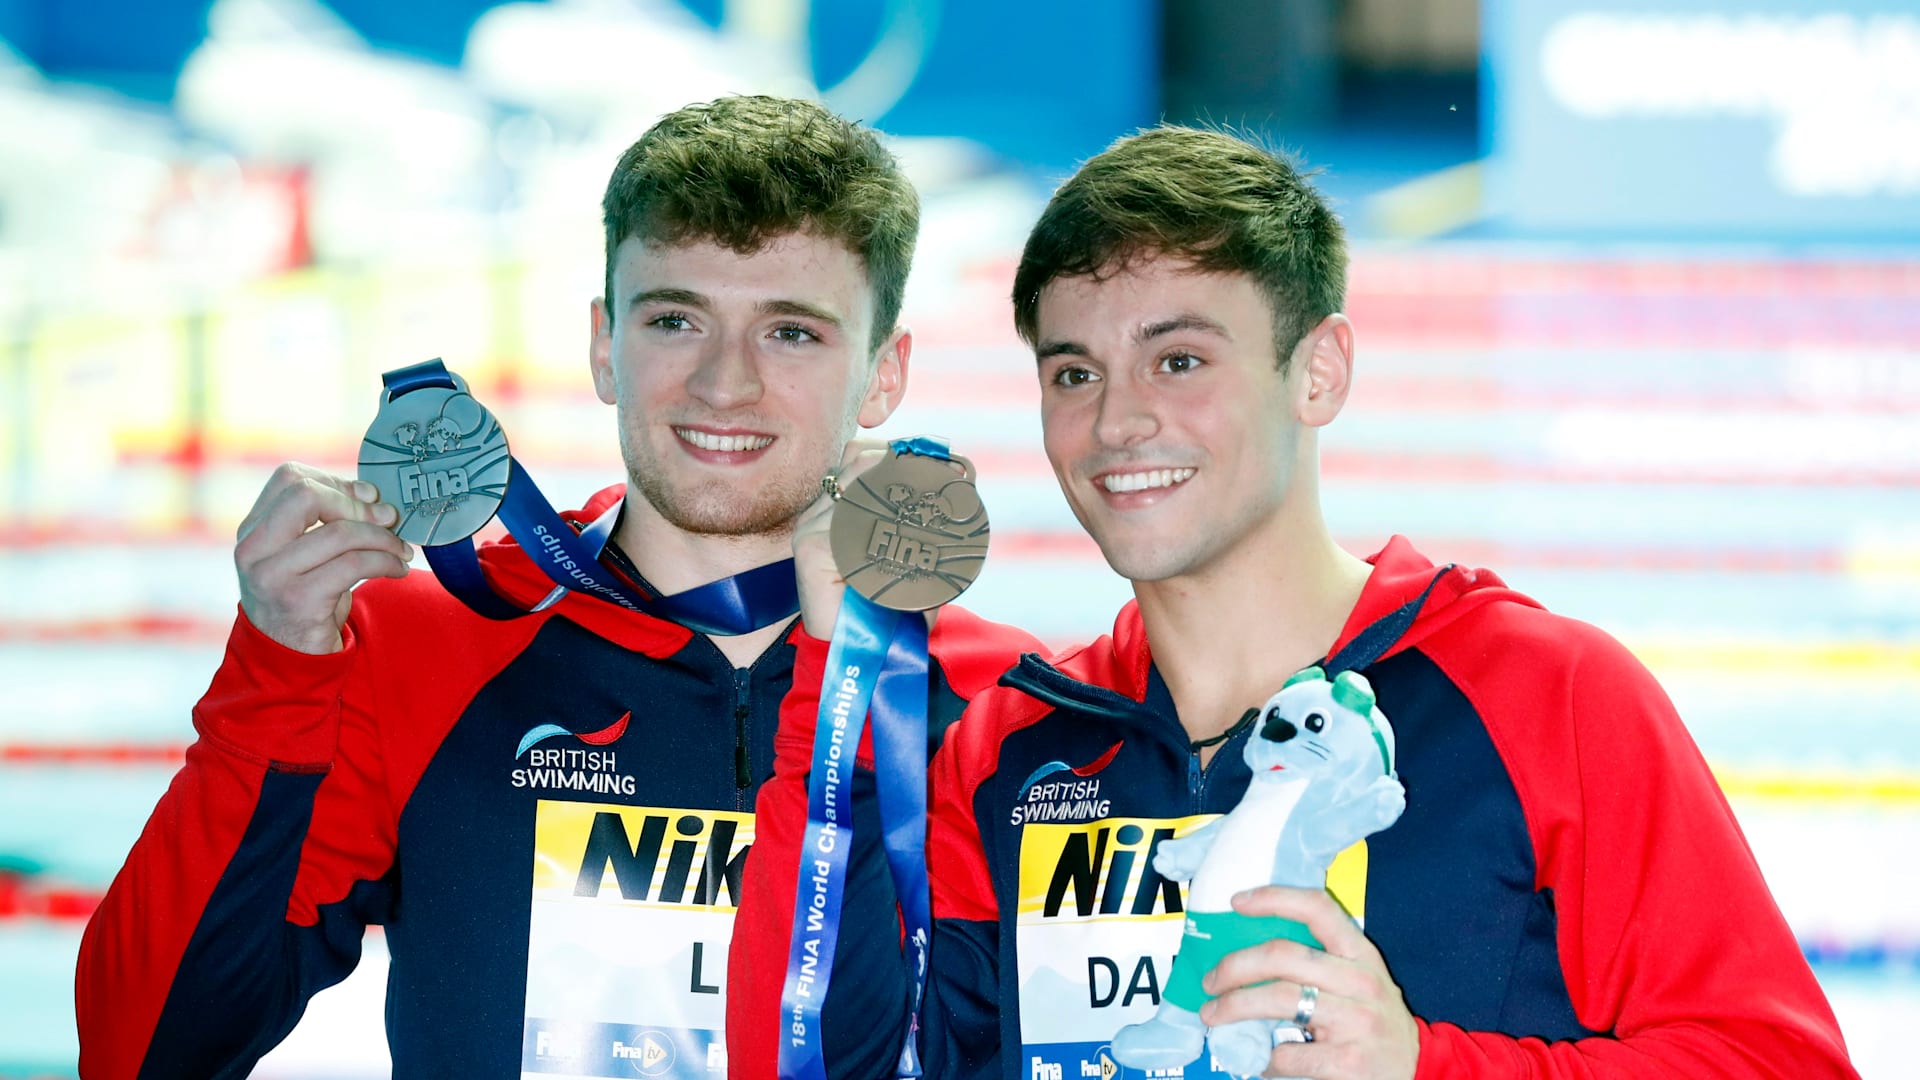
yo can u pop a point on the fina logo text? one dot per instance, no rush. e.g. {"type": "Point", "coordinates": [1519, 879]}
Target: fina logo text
{"type": "Point", "coordinates": [571, 768]}
{"type": "Point", "coordinates": [901, 551]}
{"type": "Point", "coordinates": [418, 485]}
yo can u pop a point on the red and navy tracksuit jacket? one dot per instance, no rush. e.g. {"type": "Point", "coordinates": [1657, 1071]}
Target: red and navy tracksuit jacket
{"type": "Point", "coordinates": [1567, 893]}
{"type": "Point", "coordinates": [549, 816]}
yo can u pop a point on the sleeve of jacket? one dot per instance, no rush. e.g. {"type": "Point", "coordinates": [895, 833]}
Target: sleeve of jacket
{"type": "Point", "coordinates": [1668, 937]}
{"type": "Point", "coordinates": [212, 937]}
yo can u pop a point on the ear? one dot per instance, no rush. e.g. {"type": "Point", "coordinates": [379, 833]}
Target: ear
{"type": "Point", "coordinates": [888, 385]}
{"type": "Point", "coordinates": [1324, 358]}
{"type": "Point", "coordinates": [600, 352]}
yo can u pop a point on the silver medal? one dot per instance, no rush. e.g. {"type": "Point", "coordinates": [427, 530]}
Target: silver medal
{"type": "Point", "coordinates": [441, 458]}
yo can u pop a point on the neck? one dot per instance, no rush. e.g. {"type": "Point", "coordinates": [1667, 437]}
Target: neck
{"type": "Point", "coordinates": [1226, 636]}
{"type": "Point", "coordinates": [674, 560]}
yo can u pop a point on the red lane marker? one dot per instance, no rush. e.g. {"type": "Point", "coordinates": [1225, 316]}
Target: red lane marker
{"type": "Point", "coordinates": [1069, 544]}
{"type": "Point", "coordinates": [150, 629]}
{"type": "Point", "coordinates": [22, 898]}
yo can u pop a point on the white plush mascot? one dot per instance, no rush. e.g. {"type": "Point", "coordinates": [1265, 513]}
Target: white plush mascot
{"type": "Point", "coordinates": [1323, 780]}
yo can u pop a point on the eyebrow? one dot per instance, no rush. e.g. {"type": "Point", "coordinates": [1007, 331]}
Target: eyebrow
{"type": "Point", "coordinates": [682, 297]}
{"type": "Point", "coordinates": [1186, 320]}
{"type": "Point", "coordinates": [800, 309]}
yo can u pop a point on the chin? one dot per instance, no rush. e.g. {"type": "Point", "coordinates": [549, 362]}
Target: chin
{"type": "Point", "coordinates": [727, 513]}
{"type": "Point", "coordinates": [1145, 562]}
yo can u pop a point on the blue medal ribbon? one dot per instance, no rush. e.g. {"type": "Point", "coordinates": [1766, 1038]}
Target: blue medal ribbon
{"type": "Point", "coordinates": [876, 661]}
{"type": "Point", "coordinates": [739, 604]}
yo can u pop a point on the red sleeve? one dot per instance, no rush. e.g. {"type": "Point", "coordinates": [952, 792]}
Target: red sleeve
{"type": "Point", "coordinates": [243, 896]}
{"type": "Point", "coordinates": [1668, 937]}
{"type": "Point", "coordinates": [269, 712]}
{"type": "Point", "coordinates": [962, 879]}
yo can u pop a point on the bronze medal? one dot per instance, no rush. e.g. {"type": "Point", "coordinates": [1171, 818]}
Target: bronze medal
{"type": "Point", "coordinates": [910, 533]}
{"type": "Point", "coordinates": [441, 458]}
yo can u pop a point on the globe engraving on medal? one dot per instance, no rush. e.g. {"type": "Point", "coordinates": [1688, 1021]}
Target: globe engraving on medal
{"type": "Point", "coordinates": [910, 533]}
{"type": "Point", "coordinates": [441, 458]}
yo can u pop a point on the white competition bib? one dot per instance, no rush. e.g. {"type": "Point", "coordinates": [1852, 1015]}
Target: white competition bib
{"type": "Point", "coordinates": [1096, 935]}
{"type": "Point", "coordinates": [627, 947]}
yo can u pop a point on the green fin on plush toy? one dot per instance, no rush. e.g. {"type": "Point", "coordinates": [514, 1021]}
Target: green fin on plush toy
{"type": "Point", "coordinates": [1350, 691]}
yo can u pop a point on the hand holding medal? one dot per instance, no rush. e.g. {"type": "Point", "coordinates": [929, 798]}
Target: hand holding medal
{"type": "Point", "coordinates": [908, 533]}
{"type": "Point", "coordinates": [308, 540]}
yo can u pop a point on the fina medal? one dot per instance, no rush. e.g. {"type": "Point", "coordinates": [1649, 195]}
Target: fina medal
{"type": "Point", "coordinates": [910, 533]}
{"type": "Point", "coordinates": [441, 458]}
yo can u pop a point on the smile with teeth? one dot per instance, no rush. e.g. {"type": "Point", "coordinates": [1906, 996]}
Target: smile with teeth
{"type": "Point", "coordinates": [726, 444]}
{"type": "Point", "coordinates": [1124, 483]}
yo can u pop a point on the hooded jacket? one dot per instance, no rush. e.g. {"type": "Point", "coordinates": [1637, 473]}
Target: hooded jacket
{"type": "Point", "coordinates": [550, 817]}
{"type": "Point", "coordinates": [1566, 894]}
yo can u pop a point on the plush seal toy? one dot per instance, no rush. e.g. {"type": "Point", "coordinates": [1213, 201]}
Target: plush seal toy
{"type": "Point", "coordinates": [1323, 779]}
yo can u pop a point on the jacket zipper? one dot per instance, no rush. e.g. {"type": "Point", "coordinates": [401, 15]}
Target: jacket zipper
{"type": "Point", "coordinates": [742, 709]}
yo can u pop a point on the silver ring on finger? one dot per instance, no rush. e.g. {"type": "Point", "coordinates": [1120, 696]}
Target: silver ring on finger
{"type": "Point", "coordinates": [831, 485]}
{"type": "Point", "coordinates": [1303, 1012]}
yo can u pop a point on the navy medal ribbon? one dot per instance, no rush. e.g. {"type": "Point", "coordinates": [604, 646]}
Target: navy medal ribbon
{"type": "Point", "coordinates": [876, 663]}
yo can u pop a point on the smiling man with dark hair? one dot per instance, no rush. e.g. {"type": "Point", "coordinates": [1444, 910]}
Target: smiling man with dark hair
{"type": "Point", "coordinates": [1566, 893]}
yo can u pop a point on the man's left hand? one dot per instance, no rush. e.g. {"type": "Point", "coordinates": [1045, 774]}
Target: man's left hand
{"type": "Point", "coordinates": [1361, 1027]}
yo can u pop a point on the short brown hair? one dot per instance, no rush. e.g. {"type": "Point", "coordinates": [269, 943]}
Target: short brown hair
{"type": "Point", "coordinates": [743, 171]}
{"type": "Point", "coordinates": [1205, 196]}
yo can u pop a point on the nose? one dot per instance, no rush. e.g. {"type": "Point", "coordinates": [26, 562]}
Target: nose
{"type": "Point", "coordinates": [727, 376]}
{"type": "Point", "coordinates": [1278, 730]}
{"type": "Point", "coordinates": [1126, 413]}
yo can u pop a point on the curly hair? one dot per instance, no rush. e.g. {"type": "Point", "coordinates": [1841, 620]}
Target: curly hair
{"type": "Point", "coordinates": [744, 171]}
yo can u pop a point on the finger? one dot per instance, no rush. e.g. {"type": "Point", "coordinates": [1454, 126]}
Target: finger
{"type": "Point", "coordinates": [865, 448]}
{"type": "Point", "coordinates": [1280, 999]}
{"type": "Point", "coordinates": [301, 506]}
{"type": "Point", "coordinates": [1317, 1060]}
{"type": "Point", "coordinates": [331, 540]}
{"type": "Point", "coordinates": [1269, 960]}
{"type": "Point", "coordinates": [291, 474]}
{"type": "Point", "coordinates": [1324, 917]}
{"type": "Point", "coordinates": [323, 585]}
{"type": "Point", "coordinates": [854, 466]}
{"type": "Point", "coordinates": [337, 577]}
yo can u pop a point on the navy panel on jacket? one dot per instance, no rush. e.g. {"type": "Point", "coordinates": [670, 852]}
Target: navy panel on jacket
{"type": "Point", "coordinates": [1450, 897]}
{"type": "Point", "coordinates": [199, 1024]}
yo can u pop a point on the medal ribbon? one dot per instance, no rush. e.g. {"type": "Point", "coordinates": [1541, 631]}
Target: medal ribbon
{"type": "Point", "coordinates": [877, 658]}
{"type": "Point", "coordinates": [744, 602]}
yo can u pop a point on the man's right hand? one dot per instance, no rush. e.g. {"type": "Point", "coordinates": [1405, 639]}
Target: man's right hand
{"type": "Point", "coordinates": [821, 585]}
{"type": "Point", "coordinates": [309, 539]}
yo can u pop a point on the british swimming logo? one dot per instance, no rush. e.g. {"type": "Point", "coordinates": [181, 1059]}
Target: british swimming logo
{"type": "Point", "coordinates": [1047, 796]}
{"type": "Point", "coordinates": [571, 768]}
